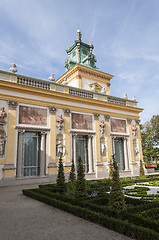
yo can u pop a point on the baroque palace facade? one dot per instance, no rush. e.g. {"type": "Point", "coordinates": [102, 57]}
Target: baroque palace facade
{"type": "Point", "coordinates": [72, 116]}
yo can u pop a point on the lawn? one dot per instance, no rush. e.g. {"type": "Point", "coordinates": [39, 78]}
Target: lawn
{"type": "Point", "coordinates": [139, 219]}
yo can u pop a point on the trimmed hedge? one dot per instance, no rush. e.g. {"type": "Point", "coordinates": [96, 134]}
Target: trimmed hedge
{"type": "Point", "coordinates": [123, 227]}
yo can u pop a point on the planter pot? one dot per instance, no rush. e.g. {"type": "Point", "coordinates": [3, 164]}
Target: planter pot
{"type": "Point", "coordinates": [150, 169]}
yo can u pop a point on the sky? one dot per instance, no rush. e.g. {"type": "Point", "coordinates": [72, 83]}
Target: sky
{"type": "Point", "coordinates": [34, 34]}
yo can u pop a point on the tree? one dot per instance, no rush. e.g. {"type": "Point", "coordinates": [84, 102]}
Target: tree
{"type": "Point", "coordinates": [61, 186]}
{"type": "Point", "coordinates": [116, 198]}
{"type": "Point", "coordinates": [155, 129]}
{"type": "Point", "coordinates": [80, 189]}
{"type": "Point", "coordinates": [150, 139]}
{"type": "Point", "coordinates": [142, 173]}
{"type": "Point", "coordinates": [72, 176]}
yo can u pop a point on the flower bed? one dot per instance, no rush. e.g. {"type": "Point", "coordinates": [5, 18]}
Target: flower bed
{"type": "Point", "coordinates": [150, 169]}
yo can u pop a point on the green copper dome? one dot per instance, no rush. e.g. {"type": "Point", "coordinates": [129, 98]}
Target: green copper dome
{"type": "Point", "coordinates": [80, 53]}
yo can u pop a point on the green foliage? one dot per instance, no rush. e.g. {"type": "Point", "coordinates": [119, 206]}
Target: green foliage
{"type": "Point", "coordinates": [124, 221]}
{"type": "Point", "coordinates": [116, 199]}
{"type": "Point", "coordinates": [71, 188]}
{"type": "Point", "coordinates": [61, 186]}
{"type": "Point", "coordinates": [150, 139]}
{"type": "Point", "coordinates": [111, 168]}
{"type": "Point", "coordinates": [80, 190]}
{"type": "Point", "coordinates": [72, 175]}
{"type": "Point", "coordinates": [142, 173]}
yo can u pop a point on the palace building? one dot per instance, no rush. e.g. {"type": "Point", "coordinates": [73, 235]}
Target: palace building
{"type": "Point", "coordinates": [70, 117]}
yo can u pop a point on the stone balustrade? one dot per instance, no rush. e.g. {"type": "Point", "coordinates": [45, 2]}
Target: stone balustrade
{"type": "Point", "coordinates": [57, 87]}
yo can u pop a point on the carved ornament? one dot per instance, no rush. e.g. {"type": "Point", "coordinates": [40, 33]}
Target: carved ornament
{"type": "Point", "coordinates": [60, 121]}
{"type": "Point", "coordinates": [12, 104]}
{"type": "Point", "coordinates": [3, 114]}
{"type": "Point", "coordinates": [67, 112]}
{"type": "Point", "coordinates": [52, 110]}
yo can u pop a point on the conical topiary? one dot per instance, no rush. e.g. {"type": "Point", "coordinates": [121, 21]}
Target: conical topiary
{"type": "Point", "coordinates": [61, 186]}
{"type": "Point", "coordinates": [80, 190]}
{"type": "Point", "coordinates": [116, 199]}
{"type": "Point", "coordinates": [72, 176]}
{"type": "Point", "coordinates": [111, 168]}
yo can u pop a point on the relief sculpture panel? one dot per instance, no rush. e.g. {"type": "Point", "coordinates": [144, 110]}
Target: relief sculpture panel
{"type": "Point", "coordinates": [32, 115]}
{"type": "Point", "coordinates": [82, 121]}
{"type": "Point", "coordinates": [118, 125]}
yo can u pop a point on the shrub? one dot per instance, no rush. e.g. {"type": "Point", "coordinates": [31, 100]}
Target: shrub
{"type": "Point", "coordinates": [116, 199]}
{"type": "Point", "coordinates": [72, 175]}
{"type": "Point", "coordinates": [80, 190]}
{"type": "Point", "coordinates": [61, 187]}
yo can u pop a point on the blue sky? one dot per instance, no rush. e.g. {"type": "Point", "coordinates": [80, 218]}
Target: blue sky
{"type": "Point", "coordinates": [35, 34]}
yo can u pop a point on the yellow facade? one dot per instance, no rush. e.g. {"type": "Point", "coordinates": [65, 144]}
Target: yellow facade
{"type": "Point", "coordinates": [66, 118]}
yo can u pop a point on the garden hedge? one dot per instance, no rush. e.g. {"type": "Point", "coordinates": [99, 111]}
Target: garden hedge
{"type": "Point", "coordinates": [95, 213]}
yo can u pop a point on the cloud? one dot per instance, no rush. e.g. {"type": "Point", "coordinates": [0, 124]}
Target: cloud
{"type": "Point", "coordinates": [35, 35]}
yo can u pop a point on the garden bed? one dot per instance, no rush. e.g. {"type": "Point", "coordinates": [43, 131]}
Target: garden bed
{"type": "Point", "coordinates": [139, 219]}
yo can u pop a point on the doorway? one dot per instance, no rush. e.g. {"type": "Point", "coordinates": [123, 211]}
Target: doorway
{"type": "Point", "coordinates": [82, 151]}
{"type": "Point", "coordinates": [31, 154]}
{"type": "Point", "coordinates": [119, 153]}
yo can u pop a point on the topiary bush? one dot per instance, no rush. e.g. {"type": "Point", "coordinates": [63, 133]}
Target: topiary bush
{"type": "Point", "coordinates": [61, 186]}
{"type": "Point", "coordinates": [80, 189]}
{"type": "Point", "coordinates": [116, 199]}
{"type": "Point", "coordinates": [72, 175]}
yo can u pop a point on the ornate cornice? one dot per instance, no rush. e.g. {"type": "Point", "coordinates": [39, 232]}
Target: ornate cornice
{"type": "Point", "coordinates": [86, 70]}
{"type": "Point", "coordinates": [29, 128]}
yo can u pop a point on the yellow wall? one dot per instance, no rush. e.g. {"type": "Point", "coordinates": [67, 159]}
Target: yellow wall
{"type": "Point", "coordinates": [99, 168]}
{"type": "Point", "coordinates": [52, 138]}
{"type": "Point", "coordinates": [139, 142]}
{"type": "Point", "coordinates": [52, 170]}
{"type": "Point", "coordinates": [98, 157]}
{"type": "Point", "coordinates": [131, 141]}
{"type": "Point", "coordinates": [107, 128]}
{"type": "Point", "coordinates": [67, 138]}
{"type": "Point", "coordinates": [7, 173]}
{"type": "Point", "coordinates": [11, 136]}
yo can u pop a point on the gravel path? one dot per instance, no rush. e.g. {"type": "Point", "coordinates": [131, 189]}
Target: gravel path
{"type": "Point", "coordinates": [22, 218]}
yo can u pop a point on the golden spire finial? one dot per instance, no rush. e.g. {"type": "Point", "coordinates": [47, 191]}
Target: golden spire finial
{"type": "Point", "coordinates": [90, 43]}
{"type": "Point", "coordinates": [68, 47]}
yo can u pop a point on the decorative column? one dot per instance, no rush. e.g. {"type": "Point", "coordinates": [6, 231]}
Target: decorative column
{"type": "Point", "coordinates": [113, 145]}
{"type": "Point", "coordinates": [74, 150]}
{"type": "Point", "coordinates": [90, 155]}
{"type": "Point", "coordinates": [52, 168]}
{"type": "Point", "coordinates": [126, 154]}
{"type": "Point", "coordinates": [67, 134]}
{"type": "Point", "coordinates": [96, 120]}
{"type": "Point", "coordinates": [20, 153]}
{"type": "Point", "coordinates": [107, 124]}
{"type": "Point", "coordinates": [131, 139]}
{"type": "Point", "coordinates": [139, 139]}
{"type": "Point", "coordinates": [9, 167]}
{"type": "Point", "coordinates": [42, 154]}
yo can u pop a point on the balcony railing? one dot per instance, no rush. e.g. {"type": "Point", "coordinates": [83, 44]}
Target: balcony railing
{"type": "Point", "coordinates": [57, 87]}
{"type": "Point", "coordinates": [33, 83]}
